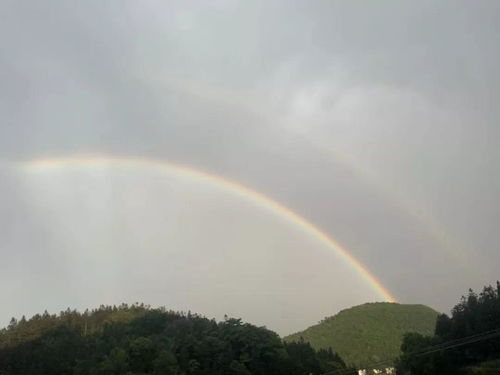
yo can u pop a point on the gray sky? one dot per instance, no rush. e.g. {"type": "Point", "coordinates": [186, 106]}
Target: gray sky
{"type": "Point", "coordinates": [377, 122]}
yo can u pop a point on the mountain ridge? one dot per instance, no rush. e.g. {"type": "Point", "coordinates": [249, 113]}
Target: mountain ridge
{"type": "Point", "coordinates": [368, 333]}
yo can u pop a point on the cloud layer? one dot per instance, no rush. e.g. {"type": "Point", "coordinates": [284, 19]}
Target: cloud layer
{"type": "Point", "coordinates": [378, 123]}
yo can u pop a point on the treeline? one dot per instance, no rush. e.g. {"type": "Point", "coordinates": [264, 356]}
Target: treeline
{"type": "Point", "coordinates": [467, 342]}
{"type": "Point", "coordinates": [140, 340]}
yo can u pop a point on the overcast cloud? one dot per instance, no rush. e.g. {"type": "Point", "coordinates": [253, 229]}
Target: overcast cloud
{"type": "Point", "coordinates": [378, 122]}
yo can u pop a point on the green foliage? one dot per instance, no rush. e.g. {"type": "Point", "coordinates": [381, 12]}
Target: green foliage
{"type": "Point", "coordinates": [473, 315]}
{"type": "Point", "coordinates": [366, 334]}
{"type": "Point", "coordinates": [484, 368]}
{"type": "Point", "coordinates": [138, 340]}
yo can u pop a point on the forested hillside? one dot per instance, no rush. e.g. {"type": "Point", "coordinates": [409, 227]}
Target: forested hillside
{"type": "Point", "coordinates": [369, 333]}
{"type": "Point", "coordinates": [139, 340]}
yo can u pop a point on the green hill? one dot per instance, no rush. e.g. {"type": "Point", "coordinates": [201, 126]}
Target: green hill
{"type": "Point", "coordinates": [365, 334]}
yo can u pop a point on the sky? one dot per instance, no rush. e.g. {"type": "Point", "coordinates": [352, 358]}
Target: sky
{"type": "Point", "coordinates": [377, 122]}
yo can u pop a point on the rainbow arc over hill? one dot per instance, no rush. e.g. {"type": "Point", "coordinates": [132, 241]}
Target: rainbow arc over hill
{"type": "Point", "coordinates": [232, 187]}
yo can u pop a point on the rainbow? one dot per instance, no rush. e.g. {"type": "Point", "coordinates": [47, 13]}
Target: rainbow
{"type": "Point", "coordinates": [246, 101]}
{"type": "Point", "coordinates": [231, 186]}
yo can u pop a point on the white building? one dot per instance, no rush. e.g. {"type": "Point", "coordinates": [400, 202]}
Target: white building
{"type": "Point", "coordinates": [386, 371]}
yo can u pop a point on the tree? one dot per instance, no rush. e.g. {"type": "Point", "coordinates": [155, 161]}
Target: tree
{"type": "Point", "coordinates": [138, 340]}
{"type": "Point", "coordinates": [474, 315]}
{"type": "Point", "coordinates": [165, 364]}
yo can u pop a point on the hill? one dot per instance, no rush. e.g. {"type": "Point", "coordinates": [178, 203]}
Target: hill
{"type": "Point", "coordinates": [365, 334]}
{"type": "Point", "coordinates": [139, 340]}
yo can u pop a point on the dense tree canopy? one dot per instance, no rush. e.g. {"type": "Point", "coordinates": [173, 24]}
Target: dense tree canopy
{"type": "Point", "coordinates": [139, 340]}
{"type": "Point", "coordinates": [467, 342]}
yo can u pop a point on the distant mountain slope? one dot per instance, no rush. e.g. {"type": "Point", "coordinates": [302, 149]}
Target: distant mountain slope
{"type": "Point", "coordinates": [368, 333]}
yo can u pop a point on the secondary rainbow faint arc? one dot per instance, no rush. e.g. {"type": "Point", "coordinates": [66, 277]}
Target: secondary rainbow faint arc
{"type": "Point", "coordinates": [234, 187]}
{"type": "Point", "coordinates": [446, 240]}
